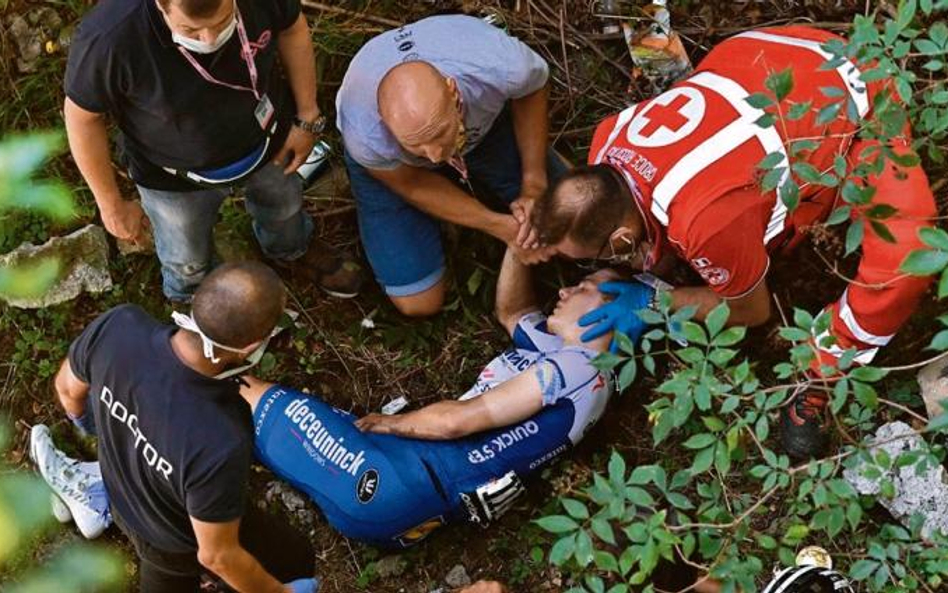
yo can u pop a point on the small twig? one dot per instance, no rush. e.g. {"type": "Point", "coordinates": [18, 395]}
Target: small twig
{"type": "Point", "coordinates": [905, 409]}
{"type": "Point", "coordinates": [569, 81]}
{"type": "Point", "coordinates": [353, 13]}
{"type": "Point", "coordinates": [914, 365]}
{"type": "Point", "coordinates": [875, 286]}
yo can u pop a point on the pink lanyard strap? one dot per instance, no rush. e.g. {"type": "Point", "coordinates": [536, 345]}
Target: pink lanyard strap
{"type": "Point", "coordinates": [245, 54]}
{"type": "Point", "coordinates": [457, 161]}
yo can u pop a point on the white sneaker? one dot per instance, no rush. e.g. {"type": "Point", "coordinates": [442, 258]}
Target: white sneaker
{"type": "Point", "coordinates": [78, 485]}
{"type": "Point", "coordinates": [60, 510]}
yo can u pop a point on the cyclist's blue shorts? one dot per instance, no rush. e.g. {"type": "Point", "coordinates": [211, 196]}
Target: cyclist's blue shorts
{"type": "Point", "coordinates": [393, 491]}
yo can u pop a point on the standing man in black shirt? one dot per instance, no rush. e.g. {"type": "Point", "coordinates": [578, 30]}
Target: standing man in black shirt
{"type": "Point", "coordinates": [175, 439]}
{"type": "Point", "coordinates": [207, 94]}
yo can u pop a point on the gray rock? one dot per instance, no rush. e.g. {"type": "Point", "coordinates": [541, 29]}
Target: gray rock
{"type": "Point", "coordinates": [933, 381]}
{"type": "Point", "coordinates": [924, 493]}
{"type": "Point", "coordinates": [84, 266]}
{"type": "Point", "coordinates": [457, 577]}
{"type": "Point", "coordinates": [390, 566]}
{"type": "Point", "coordinates": [292, 500]}
{"type": "Point", "coordinates": [30, 32]}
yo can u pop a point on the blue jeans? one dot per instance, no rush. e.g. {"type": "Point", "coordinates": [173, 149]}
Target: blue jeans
{"type": "Point", "coordinates": [402, 243]}
{"type": "Point", "coordinates": [183, 224]}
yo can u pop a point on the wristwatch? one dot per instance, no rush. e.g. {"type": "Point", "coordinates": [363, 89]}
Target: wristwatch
{"type": "Point", "coordinates": [314, 127]}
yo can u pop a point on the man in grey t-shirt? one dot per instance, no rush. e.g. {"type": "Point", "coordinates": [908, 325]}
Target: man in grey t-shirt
{"type": "Point", "coordinates": [443, 98]}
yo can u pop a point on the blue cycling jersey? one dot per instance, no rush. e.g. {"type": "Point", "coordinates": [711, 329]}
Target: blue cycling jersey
{"type": "Point", "coordinates": [393, 491]}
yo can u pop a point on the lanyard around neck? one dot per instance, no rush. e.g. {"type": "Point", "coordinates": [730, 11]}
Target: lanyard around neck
{"type": "Point", "coordinates": [245, 54]}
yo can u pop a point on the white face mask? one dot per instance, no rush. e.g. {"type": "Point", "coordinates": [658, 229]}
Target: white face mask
{"type": "Point", "coordinates": [201, 47]}
{"type": "Point", "coordinates": [188, 323]}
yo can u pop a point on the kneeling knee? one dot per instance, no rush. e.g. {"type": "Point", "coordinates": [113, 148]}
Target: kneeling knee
{"type": "Point", "coordinates": [424, 304]}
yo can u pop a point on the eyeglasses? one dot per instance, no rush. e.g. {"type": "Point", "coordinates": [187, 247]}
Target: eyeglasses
{"type": "Point", "coordinates": [599, 262]}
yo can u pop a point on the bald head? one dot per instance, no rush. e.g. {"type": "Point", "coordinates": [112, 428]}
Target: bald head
{"type": "Point", "coordinates": [416, 102]}
{"type": "Point", "coordinates": [239, 303]}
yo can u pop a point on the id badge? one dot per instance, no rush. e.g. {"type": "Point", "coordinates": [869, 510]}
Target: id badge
{"type": "Point", "coordinates": [264, 112]}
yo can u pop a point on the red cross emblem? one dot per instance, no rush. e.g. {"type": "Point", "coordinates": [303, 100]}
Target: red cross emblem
{"type": "Point", "coordinates": [667, 116]}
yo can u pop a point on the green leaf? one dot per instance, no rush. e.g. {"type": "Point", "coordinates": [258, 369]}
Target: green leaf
{"type": "Point", "coordinates": [679, 501]}
{"type": "Point", "coordinates": [644, 474]}
{"type": "Point", "coordinates": [839, 215]}
{"type": "Point", "coordinates": [828, 113]}
{"type": "Point", "coordinates": [799, 110]}
{"type": "Point", "coordinates": [627, 374]}
{"type": "Point", "coordinates": [868, 374]}
{"type": "Point", "coordinates": [716, 318]}
{"type": "Point", "coordinates": [694, 333]}
{"type": "Point", "coordinates": [861, 569]}
{"type": "Point", "coordinates": [584, 548]}
{"type": "Point", "coordinates": [772, 179]}
{"type": "Point", "coordinates": [625, 344]}
{"type": "Point", "coordinates": [603, 530]}
{"type": "Point", "coordinates": [854, 235]}
{"type": "Point", "coordinates": [865, 394]}
{"type": "Point", "coordinates": [605, 561]}
{"type": "Point", "coordinates": [730, 336]}
{"type": "Point", "coordinates": [766, 120]}
{"type": "Point", "coordinates": [881, 211]}
{"type": "Point", "coordinates": [906, 14]}
{"type": "Point", "coordinates": [938, 423]}
{"type": "Point", "coordinates": [928, 47]}
{"type": "Point", "coordinates": [806, 172]}
{"type": "Point", "coordinates": [924, 262]}
{"type": "Point", "coordinates": [762, 428]}
{"type": "Point", "coordinates": [882, 231]}
{"type": "Point", "coordinates": [771, 160]}
{"type": "Point", "coordinates": [940, 341]}
{"type": "Point", "coordinates": [575, 508]}
{"type": "Point", "coordinates": [563, 549]}
{"type": "Point", "coordinates": [557, 524]}
{"type": "Point", "coordinates": [832, 92]}
{"type": "Point", "coordinates": [616, 468]}
{"type": "Point", "coordinates": [699, 441]}
{"type": "Point", "coordinates": [639, 496]}
{"type": "Point", "coordinates": [934, 237]}
{"type": "Point", "coordinates": [780, 83]}
{"type": "Point", "coordinates": [759, 100]}
{"type": "Point", "coordinates": [627, 560]}
{"type": "Point", "coordinates": [702, 461]}
{"type": "Point", "coordinates": [794, 334]}
{"type": "Point", "coordinates": [800, 146]}
{"type": "Point", "coordinates": [766, 542]}
{"type": "Point", "coordinates": [836, 521]}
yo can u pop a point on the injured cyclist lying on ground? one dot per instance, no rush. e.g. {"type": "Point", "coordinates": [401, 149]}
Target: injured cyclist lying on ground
{"type": "Point", "coordinates": [391, 480]}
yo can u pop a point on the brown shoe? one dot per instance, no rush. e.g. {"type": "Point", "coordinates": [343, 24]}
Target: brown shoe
{"type": "Point", "coordinates": [329, 268]}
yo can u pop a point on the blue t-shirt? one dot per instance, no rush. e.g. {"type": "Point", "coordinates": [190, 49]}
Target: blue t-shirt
{"type": "Point", "coordinates": [489, 67]}
{"type": "Point", "coordinates": [173, 443]}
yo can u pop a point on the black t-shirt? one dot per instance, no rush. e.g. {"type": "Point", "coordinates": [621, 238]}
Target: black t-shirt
{"type": "Point", "coordinates": [123, 62]}
{"type": "Point", "coordinates": [172, 443]}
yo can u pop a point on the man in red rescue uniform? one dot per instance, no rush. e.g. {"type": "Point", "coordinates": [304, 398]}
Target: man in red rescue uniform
{"type": "Point", "coordinates": [679, 174]}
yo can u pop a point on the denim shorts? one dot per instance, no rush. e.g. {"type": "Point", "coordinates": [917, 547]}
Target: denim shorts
{"type": "Point", "coordinates": [402, 243]}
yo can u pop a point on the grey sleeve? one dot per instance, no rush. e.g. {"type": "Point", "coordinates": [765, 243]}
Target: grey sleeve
{"type": "Point", "coordinates": [527, 72]}
{"type": "Point", "coordinates": [360, 145]}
